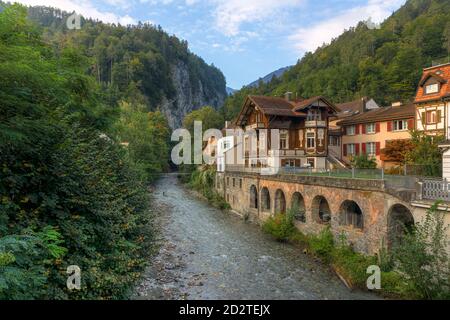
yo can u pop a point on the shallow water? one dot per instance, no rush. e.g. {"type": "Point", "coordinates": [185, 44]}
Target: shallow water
{"type": "Point", "coordinates": [208, 254]}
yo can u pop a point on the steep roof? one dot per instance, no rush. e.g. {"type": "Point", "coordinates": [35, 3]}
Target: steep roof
{"type": "Point", "coordinates": [303, 104]}
{"type": "Point", "coordinates": [352, 106]}
{"type": "Point", "coordinates": [381, 114]}
{"type": "Point", "coordinates": [276, 106]}
{"type": "Point", "coordinates": [442, 75]}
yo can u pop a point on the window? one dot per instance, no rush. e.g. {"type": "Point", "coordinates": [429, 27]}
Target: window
{"type": "Point", "coordinates": [283, 140]}
{"type": "Point", "coordinates": [247, 144]}
{"type": "Point", "coordinates": [234, 182]}
{"type": "Point", "coordinates": [432, 117]}
{"type": "Point", "coordinates": [311, 140]}
{"type": "Point", "coordinates": [334, 141]}
{"type": "Point", "coordinates": [311, 162]}
{"type": "Point", "coordinates": [350, 130]}
{"type": "Point", "coordinates": [400, 125]}
{"type": "Point", "coordinates": [432, 88]}
{"type": "Point", "coordinates": [371, 148]}
{"type": "Point", "coordinates": [240, 183]}
{"type": "Point", "coordinates": [371, 128]}
{"type": "Point", "coordinates": [314, 115]}
{"type": "Point", "coordinates": [351, 149]}
{"type": "Point", "coordinates": [290, 163]}
{"type": "Point", "coordinates": [228, 181]}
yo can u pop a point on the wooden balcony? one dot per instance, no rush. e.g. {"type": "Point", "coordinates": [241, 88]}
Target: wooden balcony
{"type": "Point", "coordinates": [286, 153]}
{"type": "Point", "coordinates": [255, 126]}
{"type": "Point", "coordinates": [316, 124]}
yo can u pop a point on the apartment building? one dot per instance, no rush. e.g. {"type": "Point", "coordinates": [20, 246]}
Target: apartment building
{"type": "Point", "coordinates": [370, 132]}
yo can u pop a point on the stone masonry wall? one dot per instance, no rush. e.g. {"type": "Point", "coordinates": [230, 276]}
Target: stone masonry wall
{"type": "Point", "coordinates": [370, 195]}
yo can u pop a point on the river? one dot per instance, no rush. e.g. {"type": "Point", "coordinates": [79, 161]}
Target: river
{"type": "Point", "coordinates": [209, 254]}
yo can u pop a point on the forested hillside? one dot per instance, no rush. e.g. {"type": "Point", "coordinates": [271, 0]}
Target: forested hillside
{"type": "Point", "coordinates": [140, 63]}
{"type": "Point", "coordinates": [384, 63]}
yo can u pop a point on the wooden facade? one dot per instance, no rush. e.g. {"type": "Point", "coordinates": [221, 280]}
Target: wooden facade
{"type": "Point", "coordinates": [302, 126]}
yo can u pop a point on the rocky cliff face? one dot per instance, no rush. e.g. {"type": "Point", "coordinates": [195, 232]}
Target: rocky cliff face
{"type": "Point", "coordinates": [188, 96]}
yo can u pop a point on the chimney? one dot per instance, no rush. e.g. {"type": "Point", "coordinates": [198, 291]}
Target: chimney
{"type": "Point", "coordinates": [288, 96]}
{"type": "Point", "coordinates": [363, 104]}
{"type": "Point", "coordinates": [396, 104]}
{"type": "Point", "coordinates": [227, 124]}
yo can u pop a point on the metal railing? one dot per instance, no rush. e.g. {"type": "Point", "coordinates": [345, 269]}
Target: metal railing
{"type": "Point", "coordinates": [436, 189]}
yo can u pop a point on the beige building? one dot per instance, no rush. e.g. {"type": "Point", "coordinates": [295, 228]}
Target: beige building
{"type": "Point", "coordinates": [370, 132]}
{"type": "Point", "coordinates": [335, 132]}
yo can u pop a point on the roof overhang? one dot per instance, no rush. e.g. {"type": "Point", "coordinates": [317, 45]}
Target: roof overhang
{"type": "Point", "coordinates": [316, 102]}
{"type": "Point", "coordinates": [434, 76]}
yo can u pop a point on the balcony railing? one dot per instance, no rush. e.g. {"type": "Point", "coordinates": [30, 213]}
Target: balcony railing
{"type": "Point", "coordinates": [258, 125]}
{"type": "Point", "coordinates": [315, 124]}
{"type": "Point", "coordinates": [435, 189]}
{"type": "Point", "coordinates": [286, 153]}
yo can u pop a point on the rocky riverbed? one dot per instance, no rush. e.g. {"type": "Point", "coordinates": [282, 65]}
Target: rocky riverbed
{"type": "Point", "coordinates": [208, 254]}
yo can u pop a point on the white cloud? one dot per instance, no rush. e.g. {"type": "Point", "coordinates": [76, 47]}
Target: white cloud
{"type": "Point", "coordinates": [231, 14]}
{"type": "Point", "coordinates": [310, 38]}
{"type": "Point", "coordinates": [83, 7]}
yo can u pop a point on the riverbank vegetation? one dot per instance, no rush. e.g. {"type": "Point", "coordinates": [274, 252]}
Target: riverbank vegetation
{"type": "Point", "coordinates": [418, 266]}
{"type": "Point", "coordinates": [202, 180]}
{"type": "Point", "coordinates": [72, 192]}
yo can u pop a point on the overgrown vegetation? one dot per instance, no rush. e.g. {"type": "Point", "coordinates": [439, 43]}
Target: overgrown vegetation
{"type": "Point", "coordinates": [146, 135]}
{"type": "Point", "coordinates": [202, 180]}
{"type": "Point", "coordinates": [419, 267]}
{"type": "Point", "coordinates": [425, 155]}
{"type": "Point", "coordinates": [422, 257]}
{"type": "Point", "coordinates": [364, 161]}
{"type": "Point", "coordinates": [71, 194]}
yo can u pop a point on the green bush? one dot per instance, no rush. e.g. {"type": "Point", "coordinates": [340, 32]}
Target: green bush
{"type": "Point", "coordinates": [281, 226]}
{"type": "Point", "coordinates": [69, 193]}
{"type": "Point", "coordinates": [423, 259]}
{"type": "Point", "coordinates": [363, 161]}
{"type": "Point", "coordinates": [323, 244]}
{"type": "Point", "coordinates": [202, 180]}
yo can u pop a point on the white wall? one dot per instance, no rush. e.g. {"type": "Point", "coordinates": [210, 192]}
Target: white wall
{"type": "Point", "coordinates": [446, 164]}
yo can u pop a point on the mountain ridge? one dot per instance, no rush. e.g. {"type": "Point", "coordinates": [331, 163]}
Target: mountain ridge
{"type": "Point", "coordinates": [384, 64]}
{"type": "Point", "coordinates": [141, 63]}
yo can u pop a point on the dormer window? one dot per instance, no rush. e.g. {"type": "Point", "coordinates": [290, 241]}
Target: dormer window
{"type": "Point", "coordinates": [432, 88]}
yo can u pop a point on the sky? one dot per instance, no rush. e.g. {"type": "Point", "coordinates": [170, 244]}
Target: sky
{"type": "Point", "coordinates": [246, 39]}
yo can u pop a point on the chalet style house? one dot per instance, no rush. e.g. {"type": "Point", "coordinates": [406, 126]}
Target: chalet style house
{"type": "Point", "coordinates": [303, 132]}
{"type": "Point", "coordinates": [433, 101]}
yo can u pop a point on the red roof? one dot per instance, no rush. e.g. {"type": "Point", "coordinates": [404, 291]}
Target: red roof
{"type": "Point", "coordinates": [441, 74]}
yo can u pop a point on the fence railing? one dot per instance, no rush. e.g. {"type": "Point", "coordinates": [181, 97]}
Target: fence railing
{"type": "Point", "coordinates": [431, 188]}
{"type": "Point", "coordinates": [435, 189]}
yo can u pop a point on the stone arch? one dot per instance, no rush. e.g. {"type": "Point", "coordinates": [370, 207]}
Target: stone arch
{"type": "Point", "coordinates": [280, 202]}
{"type": "Point", "coordinates": [298, 206]}
{"type": "Point", "coordinates": [350, 214]}
{"type": "Point", "coordinates": [321, 210]}
{"type": "Point", "coordinates": [400, 222]}
{"type": "Point", "coordinates": [265, 199]}
{"type": "Point", "coordinates": [253, 197]}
